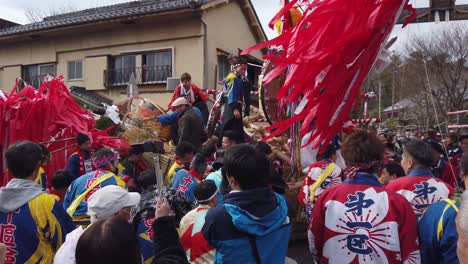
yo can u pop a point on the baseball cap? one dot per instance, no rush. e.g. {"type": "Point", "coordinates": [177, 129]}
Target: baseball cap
{"type": "Point", "coordinates": [109, 200]}
{"type": "Point", "coordinates": [179, 101]}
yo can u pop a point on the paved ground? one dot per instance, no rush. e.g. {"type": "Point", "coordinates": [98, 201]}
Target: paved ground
{"type": "Point", "coordinates": [299, 251]}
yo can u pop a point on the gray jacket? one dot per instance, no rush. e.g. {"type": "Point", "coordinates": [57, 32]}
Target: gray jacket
{"type": "Point", "coordinates": [17, 193]}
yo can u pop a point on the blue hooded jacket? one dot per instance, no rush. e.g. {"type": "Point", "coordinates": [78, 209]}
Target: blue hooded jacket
{"type": "Point", "coordinates": [438, 233]}
{"type": "Point", "coordinates": [250, 227]}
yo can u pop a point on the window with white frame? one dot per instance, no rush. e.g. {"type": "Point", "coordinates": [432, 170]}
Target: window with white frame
{"type": "Point", "coordinates": [75, 70]}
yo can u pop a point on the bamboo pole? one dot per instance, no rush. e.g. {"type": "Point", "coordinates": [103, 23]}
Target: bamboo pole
{"type": "Point", "coordinates": [57, 141]}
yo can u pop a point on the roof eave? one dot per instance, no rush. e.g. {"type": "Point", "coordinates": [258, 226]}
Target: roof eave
{"type": "Point", "coordinates": [258, 24]}
{"type": "Point", "coordinates": [100, 21]}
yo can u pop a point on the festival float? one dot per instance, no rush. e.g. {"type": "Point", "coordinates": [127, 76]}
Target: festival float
{"type": "Point", "coordinates": [314, 70]}
{"type": "Point", "coordinates": [138, 125]}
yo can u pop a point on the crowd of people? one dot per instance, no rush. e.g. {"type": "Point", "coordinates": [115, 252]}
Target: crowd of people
{"type": "Point", "coordinates": [396, 201]}
{"type": "Point", "coordinates": [217, 207]}
{"type": "Point", "coordinates": [375, 198]}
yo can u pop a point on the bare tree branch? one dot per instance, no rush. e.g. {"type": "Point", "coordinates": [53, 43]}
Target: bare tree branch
{"type": "Point", "coordinates": [36, 15]}
{"type": "Point", "coordinates": [444, 55]}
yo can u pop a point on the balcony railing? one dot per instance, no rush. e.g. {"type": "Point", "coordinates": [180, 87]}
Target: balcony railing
{"type": "Point", "coordinates": [36, 81]}
{"type": "Point", "coordinates": [143, 75]}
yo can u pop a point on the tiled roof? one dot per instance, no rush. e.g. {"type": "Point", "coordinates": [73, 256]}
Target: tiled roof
{"type": "Point", "coordinates": [5, 24]}
{"type": "Point", "coordinates": [90, 99]}
{"type": "Point", "coordinates": [103, 13]}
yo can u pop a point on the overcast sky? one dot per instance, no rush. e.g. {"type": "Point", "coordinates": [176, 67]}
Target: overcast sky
{"type": "Point", "coordinates": [14, 10]}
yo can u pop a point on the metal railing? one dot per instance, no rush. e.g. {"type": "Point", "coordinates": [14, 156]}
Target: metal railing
{"type": "Point", "coordinates": [36, 81]}
{"type": "Point", "coordinates": [143, 75]}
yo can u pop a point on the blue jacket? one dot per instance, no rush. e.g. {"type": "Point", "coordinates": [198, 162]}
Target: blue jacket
{"type": "Point", "coordinates": [234, 87]}
{"type": "Point", "coordinates": [80, 185]}
{"type": "Point", "coordinates": [74, 165]}
{"type": "Point", "coordinates": [41, 178]}
{"type": "Point", "coordinates": [171, 119]}
{"type": "Point", "coordinates": [185, 182]}
{"type": "Point", "coordinates": [438, 233]}
{"type": "Point", "coordinates": [168, 119]}
{"type": "Point", "coordinates": [250, 225]}
{"type": "Point", "coordinates": [145, 240]}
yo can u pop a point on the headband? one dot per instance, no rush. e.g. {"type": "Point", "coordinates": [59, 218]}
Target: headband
{"type": "Point", "coordinates": [351, 171]}
{"type": "Point", "coordinates": [241, 64]}
{"type": "Point", "coordinates": [102, 161]}
{"type": "Point", "coordinates": [209, 199]}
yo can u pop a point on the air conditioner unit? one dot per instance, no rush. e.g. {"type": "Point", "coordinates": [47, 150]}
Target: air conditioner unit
{"type": "Point", "coordinates": [172, 83]}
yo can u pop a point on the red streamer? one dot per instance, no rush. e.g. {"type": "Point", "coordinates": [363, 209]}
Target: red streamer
{"type": "Point", "coordinates": [47, 114]}
{"type": "Point", "coordinates": [328, 55]}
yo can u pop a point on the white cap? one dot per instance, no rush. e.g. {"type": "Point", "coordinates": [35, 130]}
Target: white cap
{"type": "Point", "coordinates": [179, 101]}
{"type": "Point", "coordinates": [109, 200]}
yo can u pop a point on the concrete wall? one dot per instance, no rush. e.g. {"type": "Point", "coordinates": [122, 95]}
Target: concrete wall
{"type": "Point", "coordinates": [187, 57]}
{"type": "Point", "coordinates": [95, 46]}
{"type": "Point", "coordinates": [228, 30]}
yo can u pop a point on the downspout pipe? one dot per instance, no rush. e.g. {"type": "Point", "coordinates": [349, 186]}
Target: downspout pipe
{"type": "Point", "coordinates": [205, 53]}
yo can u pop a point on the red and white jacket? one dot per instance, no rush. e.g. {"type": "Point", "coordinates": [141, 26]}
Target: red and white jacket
{"type": "Point", "coordinates": [315, 171]}
{"type": "Point", "coordinates": [359, 221]}
{"type": "Point", "coordinates": [421, 189]}
{"type": "Point", "coordinates": [195, 245]}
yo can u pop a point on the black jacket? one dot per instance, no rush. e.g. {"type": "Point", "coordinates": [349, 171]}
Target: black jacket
{"type": "Point", "coordinates": [190, 127]}
{"type": "Point", "coordinates": [167, 246]}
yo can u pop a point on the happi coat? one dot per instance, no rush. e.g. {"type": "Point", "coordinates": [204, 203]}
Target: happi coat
{"type": "Point", "coordinates": [421, 189]}
{"type": "Point", "coordinates": [359, 221]}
